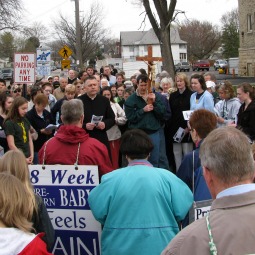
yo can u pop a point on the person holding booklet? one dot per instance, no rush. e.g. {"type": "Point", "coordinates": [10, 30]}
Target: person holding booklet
{"type": "Point", "coordinates": [179, 102]}
{"type": "Point", "coordinates": [227, 108]}
{"type": "Point", "coordinates": [200, 124]}
{"type": "Point", "coordinates": [98, 114]}
{"type": "Point", "coordinates": [40, 118]}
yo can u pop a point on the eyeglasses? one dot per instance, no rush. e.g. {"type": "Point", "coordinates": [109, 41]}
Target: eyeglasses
{"type": "Point", "coordinates": [17, 90]}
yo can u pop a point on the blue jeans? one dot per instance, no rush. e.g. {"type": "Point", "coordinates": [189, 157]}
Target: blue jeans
{"type": "Point", "coordinates": [163, 160]}
{"type": "Point", "coordinates": [154, 156]}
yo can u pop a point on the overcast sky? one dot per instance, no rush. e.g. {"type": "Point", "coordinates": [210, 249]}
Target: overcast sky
{"type": "Point", "coordinates": [121, 15]}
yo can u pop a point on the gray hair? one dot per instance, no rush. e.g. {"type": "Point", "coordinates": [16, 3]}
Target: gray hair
{"type": "Point", "coordinates": [227, 153]}
{"type": "Point", "coordinates": [63, 78]}
{"type": "Point", "coordinates": [212, 76]}
{"type": "Point", "coordinates": [71, 111]}
{"type": "Point", "coordinates": [166, 80]}
{"type": "Point", "coordinates": [164, 74]}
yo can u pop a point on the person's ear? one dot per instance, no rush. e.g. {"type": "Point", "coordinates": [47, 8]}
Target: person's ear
{"type": "Point", "coordinates": [61, 117]}
{"type": "Point", "coordinates": [82, 118]}
{"type": "Point", "coordinates": [209, 181]}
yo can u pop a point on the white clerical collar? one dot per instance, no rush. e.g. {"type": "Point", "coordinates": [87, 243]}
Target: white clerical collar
{"type": "Point", "coordinates": [92, 98]}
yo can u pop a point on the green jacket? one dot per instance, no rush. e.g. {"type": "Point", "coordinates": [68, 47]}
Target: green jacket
{"type": "Point", "coordinates": [137, 118]}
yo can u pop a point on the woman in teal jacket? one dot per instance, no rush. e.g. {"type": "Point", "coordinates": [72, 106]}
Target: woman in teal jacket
{"type": "Point", "coordinates": [139, 206]}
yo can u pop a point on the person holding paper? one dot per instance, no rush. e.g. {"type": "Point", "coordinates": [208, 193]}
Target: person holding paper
{"type": "Point", "coordinates": [229, 227]}
{"type": "Point", "coordinates": [72, 145]}
{"type": "Point", "coordinates": [180, 101]}
{"type": "Point", "coordinates": [200, 124]}
{"type": "Point", "coordinates": [39, 119]}
{"type": "Point", "coordinates": [99, 106]}
{"type": "Point", "coordinates": [227, 108]}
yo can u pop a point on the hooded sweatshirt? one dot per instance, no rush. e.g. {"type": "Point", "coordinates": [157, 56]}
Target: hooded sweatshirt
{"type": "Point", "coordinates": [228, 110]}
{"type": "Point", "coordinates": [63, 149]}
{"type": "Point", "coordinates": [16, 242]}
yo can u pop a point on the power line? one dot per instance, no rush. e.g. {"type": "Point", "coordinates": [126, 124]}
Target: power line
{"type": "Point", "coordinates": [40, 15]}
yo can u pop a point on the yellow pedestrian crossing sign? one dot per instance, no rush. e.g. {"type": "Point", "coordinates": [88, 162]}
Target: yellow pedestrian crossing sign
{"type": "Point", "coordinates": [65, 52]}
{"type": "Point", "coordinates": [65, 63]}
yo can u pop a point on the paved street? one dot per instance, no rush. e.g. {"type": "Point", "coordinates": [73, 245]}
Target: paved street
{"type": "Point", "coordinates": [221, 77]}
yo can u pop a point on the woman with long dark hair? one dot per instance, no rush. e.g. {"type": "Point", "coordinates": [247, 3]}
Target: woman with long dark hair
{"type": "Point", "coordinates": [246, 114]}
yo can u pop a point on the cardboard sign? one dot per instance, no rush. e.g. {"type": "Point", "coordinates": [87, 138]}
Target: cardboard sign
{"type": "Point", "coordinates": [24, 68]}
{"type": "Point", "coordinates": [65, 191]}
{"type": "Point", "coordinates": [199, 210]}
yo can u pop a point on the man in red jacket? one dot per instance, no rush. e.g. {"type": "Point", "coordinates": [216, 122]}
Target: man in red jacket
{"type": "Point", "coordinates": [72, 144]}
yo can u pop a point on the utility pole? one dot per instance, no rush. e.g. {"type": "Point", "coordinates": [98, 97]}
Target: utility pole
{"type": "Point", "coordinates": [78, 34]}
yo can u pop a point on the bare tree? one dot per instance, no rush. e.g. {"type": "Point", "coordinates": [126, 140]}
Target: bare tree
{"type": "Point", "coordinates": [202, 37]}
{"type": "Point", "coordinates": [166, 14]}
{"type": "Point", "coordinates": [10, 14]}
{"type": "Point", "coordinates": [230, 17]}
{"type": "Point", "coordinates": [37, 30]}
{"type": "Point", "coordinates": [92, 32]}
{"type": "Point", "coordinates": [54, 46]}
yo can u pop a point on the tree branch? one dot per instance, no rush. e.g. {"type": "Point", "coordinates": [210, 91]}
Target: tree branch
{"type": "Point", "coordinates": [152, 19]}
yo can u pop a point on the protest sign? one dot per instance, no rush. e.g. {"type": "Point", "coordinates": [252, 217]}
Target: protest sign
{"type": "Point", "coordinates": [64, 190]}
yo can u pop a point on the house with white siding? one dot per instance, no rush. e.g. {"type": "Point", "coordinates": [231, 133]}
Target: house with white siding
{"type": "Point", "coordinates": [135, 43]}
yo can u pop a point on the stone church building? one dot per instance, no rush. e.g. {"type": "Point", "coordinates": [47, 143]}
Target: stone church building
{"type": "Point", "coordinates": [247, 38]}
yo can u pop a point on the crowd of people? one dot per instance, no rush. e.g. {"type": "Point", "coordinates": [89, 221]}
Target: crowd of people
{"type": "Point", "coordinates": [163, 160]}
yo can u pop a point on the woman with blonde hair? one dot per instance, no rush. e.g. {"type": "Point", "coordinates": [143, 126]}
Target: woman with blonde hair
{"type": "Point", "coordinates": [15, 227]}
{"type": "Point", "coordinates": [179, 102]}
{"type": "Point", "coordinates": [14, 162]}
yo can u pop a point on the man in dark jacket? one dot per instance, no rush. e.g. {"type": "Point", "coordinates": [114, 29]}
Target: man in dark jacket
{"type": "Point", "coordinates": [98, 114]}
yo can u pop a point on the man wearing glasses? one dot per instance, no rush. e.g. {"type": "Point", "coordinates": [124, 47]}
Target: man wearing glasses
{"type": "Point", "coordinates": [16, 90]}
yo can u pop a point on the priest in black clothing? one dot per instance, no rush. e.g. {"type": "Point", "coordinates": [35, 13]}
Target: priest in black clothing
{"type": "Point", "coordinates": [98, 114]}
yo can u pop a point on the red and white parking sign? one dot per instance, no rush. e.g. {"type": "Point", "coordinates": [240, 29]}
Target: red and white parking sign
{"type": "Point", "coordinates": [24, 67]}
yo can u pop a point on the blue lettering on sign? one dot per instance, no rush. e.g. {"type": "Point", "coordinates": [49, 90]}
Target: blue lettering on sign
{"type": "Point", "coordinates": [76, 243]}
{"type": "Point", "coordinates": [34, 176]}
{"type": "Point", "coordinates": [72, 221]}
{"type": "Point", "coordinates": [58, 176]}
{"type": "Point", "coordinates": [64, 197]}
